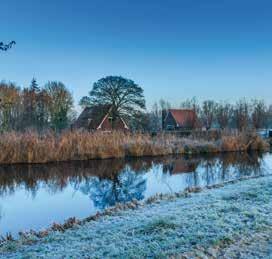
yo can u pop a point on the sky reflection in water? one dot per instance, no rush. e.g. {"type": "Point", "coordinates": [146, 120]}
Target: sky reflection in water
{"type": "Point", "coordinates": [33, 197]}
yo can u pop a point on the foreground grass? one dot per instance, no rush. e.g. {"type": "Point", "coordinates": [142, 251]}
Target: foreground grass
{"type": "Point", "coordinates": [229, 221]}
{"type": "Point", "coordinates": [33, 148]}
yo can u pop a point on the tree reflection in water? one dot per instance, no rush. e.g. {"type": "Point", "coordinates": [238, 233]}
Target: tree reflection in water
{"type": "Point", "coordinates": [124, 187]}
{"type": "Point", "coordinates": [109, 181]}
{"type": "Point", "coordinates": [82, 188]}
{"type": "Point", "coordinates": [212, 170]}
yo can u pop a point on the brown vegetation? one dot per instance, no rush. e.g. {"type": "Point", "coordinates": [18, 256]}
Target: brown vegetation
{"type": "Point", "coordinates": [31, 147]}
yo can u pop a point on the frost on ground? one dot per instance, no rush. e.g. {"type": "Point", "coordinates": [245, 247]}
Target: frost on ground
{"type": "Point", "coordinates": [229, 222]}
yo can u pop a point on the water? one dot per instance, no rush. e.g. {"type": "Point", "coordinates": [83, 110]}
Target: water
{"type": "Point", "coordinates": [33, 197]}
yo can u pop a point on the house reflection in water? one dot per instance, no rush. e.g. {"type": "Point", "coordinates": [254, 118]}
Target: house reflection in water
{"type": "Point", "coordinates": [181, 165]}
{"type": "Point", "coordinates": [123, 173]}
{"type": "Point", "coordinates": [83, 188]}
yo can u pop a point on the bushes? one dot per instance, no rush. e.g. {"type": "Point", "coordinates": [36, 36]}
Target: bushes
{"type": "Point", "coordinates": [31, 147]}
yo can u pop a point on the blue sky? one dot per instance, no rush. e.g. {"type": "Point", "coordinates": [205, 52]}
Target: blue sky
{"type": "Point", "coordinates": [176, 49]}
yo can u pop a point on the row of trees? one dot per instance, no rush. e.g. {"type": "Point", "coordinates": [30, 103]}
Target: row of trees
{"type": "Point", "coordinates": [49, 107]}
{"type": "Point", "coordinates": [241, 115]}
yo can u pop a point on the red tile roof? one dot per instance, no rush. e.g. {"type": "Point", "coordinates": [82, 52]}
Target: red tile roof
{"type": "Point", "coordinates": [183, 116]}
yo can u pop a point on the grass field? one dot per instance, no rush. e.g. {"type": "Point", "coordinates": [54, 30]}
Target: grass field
{"type": "Point", "coordinates": [232, 220]}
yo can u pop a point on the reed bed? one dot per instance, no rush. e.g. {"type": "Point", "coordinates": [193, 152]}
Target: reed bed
{"type": "Point", "coordinates": [30, 147]}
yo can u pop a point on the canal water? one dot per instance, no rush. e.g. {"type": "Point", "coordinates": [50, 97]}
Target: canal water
{"type": "Point", "coordinates": [35, 196]}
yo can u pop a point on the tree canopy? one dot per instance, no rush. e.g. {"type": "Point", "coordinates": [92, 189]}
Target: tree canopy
{"type": "Point", "coordinates": [48, 107]}
{"type": "Point", "coordinates": [61, 103]}
{"type": "Point", "coordinates": [123, 95]}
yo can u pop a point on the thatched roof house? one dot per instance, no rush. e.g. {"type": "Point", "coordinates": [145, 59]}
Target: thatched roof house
{"type": "Point", "coordinates": [98, 118]}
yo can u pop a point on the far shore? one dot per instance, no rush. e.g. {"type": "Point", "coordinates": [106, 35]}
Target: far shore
{"type": "Point", "coordinates": [32, 148]}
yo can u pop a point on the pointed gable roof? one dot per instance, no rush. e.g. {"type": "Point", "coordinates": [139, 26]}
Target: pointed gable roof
{"type": "Point", "coordinates": [182, 116]}
{"type": "Point", "coordinates": [91, 117]}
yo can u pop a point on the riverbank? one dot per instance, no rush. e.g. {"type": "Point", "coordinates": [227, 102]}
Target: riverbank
{"type": "Point", "coordinates": [230, 220]}
{"type": "Point", "coordinates": [71, 146]}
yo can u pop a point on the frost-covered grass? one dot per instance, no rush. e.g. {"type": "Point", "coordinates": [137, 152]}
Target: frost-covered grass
{"type": "Point", "coordinates": [163, 228]}
{"type": "Point", "coordinates": [254, 245]}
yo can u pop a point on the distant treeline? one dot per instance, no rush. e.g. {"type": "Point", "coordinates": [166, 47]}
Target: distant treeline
{"type": "Point", "coordinates": [50, 107]}
{"type": "Point", "coordinates": [242, 115]}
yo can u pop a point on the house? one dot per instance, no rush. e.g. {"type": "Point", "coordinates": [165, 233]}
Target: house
{"type": "Point", "coordinates": [178, 119]}
{"type": "Point", "coordinates": [99, 118]}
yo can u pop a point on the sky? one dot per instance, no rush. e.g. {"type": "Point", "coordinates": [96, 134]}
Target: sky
{"type": "Point", "coordinates": [174, 49]}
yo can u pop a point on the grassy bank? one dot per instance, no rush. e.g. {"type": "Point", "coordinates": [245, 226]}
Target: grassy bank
{"type": "Point", "coordinates": [68, 146]}
{"type": "Point", "coordinates": [190, 224]}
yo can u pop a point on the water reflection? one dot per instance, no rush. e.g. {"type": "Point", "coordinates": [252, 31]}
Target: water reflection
{"type": "Point", "coordinates": [82, 188]}
{"type": "Point", "coordinates": [56, 177]}
{"type": "Point", "coordinates": [122, 188]}
{"type": "Point", "coordinates": [116, 179]}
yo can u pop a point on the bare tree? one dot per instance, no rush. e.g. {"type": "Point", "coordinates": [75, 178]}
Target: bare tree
{"type": "Point", "coordinates": [155, 118]}
{"type": "Point", "coordinates": [223, 114]}
{"type": "Point", "coordinates": [208, 113]}
{"type": "Point", "coordinates": [123, 95]}
{"type": "Point", "coordinates": [259, 114]}
{"type": "Point", "coordinates": [242, 114]}
{"type": "Point", "coordinates": [192, 104]}
{"type": "Point", "coordinates": [164, 105]}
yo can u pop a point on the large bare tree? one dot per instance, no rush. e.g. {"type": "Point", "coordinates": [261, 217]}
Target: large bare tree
{"type": "Point", "coordinates": [123, 95]}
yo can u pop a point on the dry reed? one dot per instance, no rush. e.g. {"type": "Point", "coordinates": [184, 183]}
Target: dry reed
{"type": "Point", "coordinates": [30, 147]}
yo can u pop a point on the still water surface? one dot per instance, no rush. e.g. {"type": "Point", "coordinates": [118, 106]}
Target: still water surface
{"type": "Point", "coordinates": [33, 197]}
